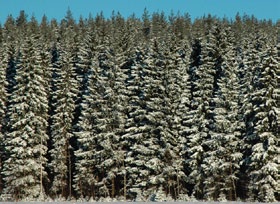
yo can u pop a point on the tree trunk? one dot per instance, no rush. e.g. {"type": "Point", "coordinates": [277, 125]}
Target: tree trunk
{"type": "Point", "coordinates": [69, 175]}
{"type": "Point", "coordinates": [233, 190]}
{"type": "Point", "coordinates": [41, 170]}
{"type": "Point", "coordinates": [113, 188]}
{"type": "Point", "coordinates": [124, 186]}
{"type": "Point", "coordinates": [178, 186]}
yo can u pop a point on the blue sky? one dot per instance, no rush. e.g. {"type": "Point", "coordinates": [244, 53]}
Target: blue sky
{"type": "Point", "coordinates": [262, 9]}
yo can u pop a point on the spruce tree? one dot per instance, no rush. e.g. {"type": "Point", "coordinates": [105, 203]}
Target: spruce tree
{"type": "Point", "coordinates": [157, 138]}
{"type": "Point", "coordinates": [8, 70]}
{"type": "Point", "coordinates": [223, 161]}
{"type": "Point", "coordinates": [147, 131]}
{"type": "Point", "coordinates": [85, 175]}
{"type": "Point", "coordinates": [64, 97]}
{"type": "Point", "coordinates": [264, 162]}
{"type": "Point", "coordinates": [3, 108]}
{"type": "Point", "coordinates": [24, 168]}
{"type": "Point", "coordinates": [100, 113]}
{"type": "Point", "coordinates": [108, 125]}
{"type": "Point", "coordinates": [203, 64]}
{"type": "Point", "coordinates": [133, 123]}
{"type": "Point", "coordinates": [177, 103]}
{"type": "Point", "coordinates": [249, 73]}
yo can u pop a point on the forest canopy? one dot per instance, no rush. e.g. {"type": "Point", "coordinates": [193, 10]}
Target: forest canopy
{"type": "Point", "coordinates": [162, 107]}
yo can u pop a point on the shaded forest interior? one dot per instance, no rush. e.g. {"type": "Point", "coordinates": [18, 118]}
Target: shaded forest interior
{"type": "Point", "coordinates": [153, 108]}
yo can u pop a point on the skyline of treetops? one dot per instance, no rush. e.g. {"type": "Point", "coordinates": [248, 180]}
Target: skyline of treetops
{"type": "Point", "coordinates": [162, 107]}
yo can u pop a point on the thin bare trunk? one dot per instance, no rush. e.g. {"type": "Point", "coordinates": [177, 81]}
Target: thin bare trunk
{"type": "Point", "coordinates": [178, 186]}
{"type": "Point", "coordinates": [113, 187]}
{"type": "Point", "coordinates": [69, 175]}
{"type": "Point", "coordinates": [233, 186]}
{"type": "Point", "coordinates": [124, 180]}
{"type": "Point", "coordinates": [41, 169]}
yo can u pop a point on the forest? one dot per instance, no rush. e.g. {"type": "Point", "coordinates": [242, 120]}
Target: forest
{"type": "Point", "coordinates": [157, 107]}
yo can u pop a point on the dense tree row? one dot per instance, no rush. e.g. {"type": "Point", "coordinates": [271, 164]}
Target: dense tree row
{"type": "Point", "coordinates": [133, 109]}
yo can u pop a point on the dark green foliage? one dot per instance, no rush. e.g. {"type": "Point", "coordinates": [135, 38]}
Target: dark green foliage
{"type": "Point", "coordinates": [26, 138]}
{"type": "Point", "coordinates": [156, 108]}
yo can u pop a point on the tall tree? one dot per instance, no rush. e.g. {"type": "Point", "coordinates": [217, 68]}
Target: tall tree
{"type": "Point", "coordinates": [85, 177]}
{"type": "Point", "coordinates": [177, 95]}
{"type": "Point", "coordinates": [8, 70]}
{"type": "Point", "coordinates": [24, 168]}
{"type": "Point", "coordinates": [64, 97]}
{"type": "Point", "coordinates": [264, 158]}
{"type": "Point", "coordinates": [203, 71]}
{"type": "Point", "coordinates": [249, 72]}
{"type": "Point", "coordinates": [100, 122]}
{"type": "Point", "coordinates": [3, 105]}
{"type": "Point", "coordinates": [222, 164]}
{"type": "Point", "coordinates": [147, 132]}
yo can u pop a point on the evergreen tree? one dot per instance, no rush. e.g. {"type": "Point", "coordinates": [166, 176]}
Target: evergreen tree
{"type": "Point", "coordinates": [100, 113]}
{"type": "Point", "coordinates": [7, 70]}
{"type": "Point", "coordinates": [252, 50]}
{"type": "Point", "coordinates": [277, 94]}
{"type": "Point", "coordinates": [159, 25]}
{"type": "Point", "coordinates": [203, 70]}
{"type": "Point", "coordinates": [24, 168]}
{"type": "Point", "coordinates": [64, 97]}
{"type": "Point", "coordinates": [223, 161]}
{"type": "Point", "coordinates": [147, 132]}
{"type": "Point", "coordinates": [3, 108]}
{"type": "Point", "coordinates": [177, 103]}
{"type": "Point", "coordinates": [45, 32]}
{"type": "Point", "coordinates": [108, 123]}
{"type": "Point", "coordinates": [133, 123]}
{"type": "Point", "coordinates": [146, 25]}
{"type": "Point", "coordinates": [10, 44]}
{"type": "Point", "coordinates": [264, 164]}
{"type": "Point", "coordinates": [157, 138]}
{"type": "Point", "coordinates": [85, 176]}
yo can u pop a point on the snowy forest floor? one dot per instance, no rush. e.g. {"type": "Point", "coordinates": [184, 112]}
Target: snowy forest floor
{"type": "Point", "coordinates": [115, 202]}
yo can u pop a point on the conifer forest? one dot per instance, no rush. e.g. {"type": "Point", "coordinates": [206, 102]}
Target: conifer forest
{"type": "Point", "coordinates": [159, 106]}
